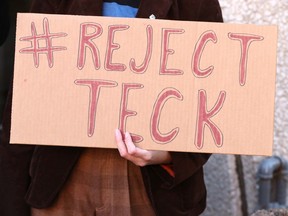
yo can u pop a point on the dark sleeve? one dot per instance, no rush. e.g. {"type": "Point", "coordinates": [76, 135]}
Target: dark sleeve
{"type": "Point", "coordinates": [210, 11]}
{"type": "Point", "coordinates": [14, 170]}
{"type": "Point", "coordinates": [186, 165]}
{"type": "Point", "coordinates": [199, 10]}
{"type": "Point", "coordinates": [44, 6]}
{"type": "Point", "coordinates": [15, 159]}
{"type": "Point", "coordinates": [4, 20]}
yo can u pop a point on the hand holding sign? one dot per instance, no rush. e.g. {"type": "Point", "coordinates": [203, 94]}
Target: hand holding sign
{"type": "Point", "coordinates": [138, 156]}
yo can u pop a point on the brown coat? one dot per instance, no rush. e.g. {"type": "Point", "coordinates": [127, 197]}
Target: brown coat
{"type": "Point", "coordinates": [34, 175]}
{"type": "Point", "coordinates": [4, 21]}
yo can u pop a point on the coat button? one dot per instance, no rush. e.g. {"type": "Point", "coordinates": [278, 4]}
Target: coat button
{"type": "Point", "coordinates": [152, 16]}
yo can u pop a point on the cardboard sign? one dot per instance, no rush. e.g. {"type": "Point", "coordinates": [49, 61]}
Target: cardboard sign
{"type": "Point", "coordinates": [174, 85]}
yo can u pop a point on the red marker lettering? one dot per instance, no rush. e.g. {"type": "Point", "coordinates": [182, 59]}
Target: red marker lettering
{"type": "Point", "coordinates": [94, 86]}
{"type": "Point", "coordinates": [165, 52]}
{"type": "Point", "coordinates": [111, 46]}
{"type": "Point", "coordinates": [143, 67]}
{"type": "Point", "coordinates": [203, 40]}
{"type": "Point", "coordinates": [86, 42]}
{"type": "Point", "coordinates": [203, 119]}
{"type": "Point", "coordinates": [124, 112]}
{"type": "Point", "coordinates": [245, 41]}
{"type": "Point", "coordinates": [156, 135]}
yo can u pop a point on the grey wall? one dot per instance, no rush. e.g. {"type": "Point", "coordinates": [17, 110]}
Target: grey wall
{"type": "Point", "coordinates": [227, 194]}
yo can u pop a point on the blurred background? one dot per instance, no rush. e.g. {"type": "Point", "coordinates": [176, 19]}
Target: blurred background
{"type": "Point", "coordinates": [237, 185]}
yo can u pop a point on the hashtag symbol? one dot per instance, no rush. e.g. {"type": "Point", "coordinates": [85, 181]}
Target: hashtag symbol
{"type": "Point", "coordinates": [46, 39]}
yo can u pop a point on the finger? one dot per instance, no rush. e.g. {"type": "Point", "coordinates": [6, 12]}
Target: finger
{"type": "Point", "coordinates": [134, 150]}
{"type": "Point", "coordinates": [131, 148]}
{"type": "Point", "coordinates": [120, 144]}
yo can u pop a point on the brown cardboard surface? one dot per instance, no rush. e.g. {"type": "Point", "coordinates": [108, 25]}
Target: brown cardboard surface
{"type": "Point", "coordinates": [175, 85]}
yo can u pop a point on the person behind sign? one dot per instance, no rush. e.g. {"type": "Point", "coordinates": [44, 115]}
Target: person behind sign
{"type": "Point", "coordinates": [60, 181]}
